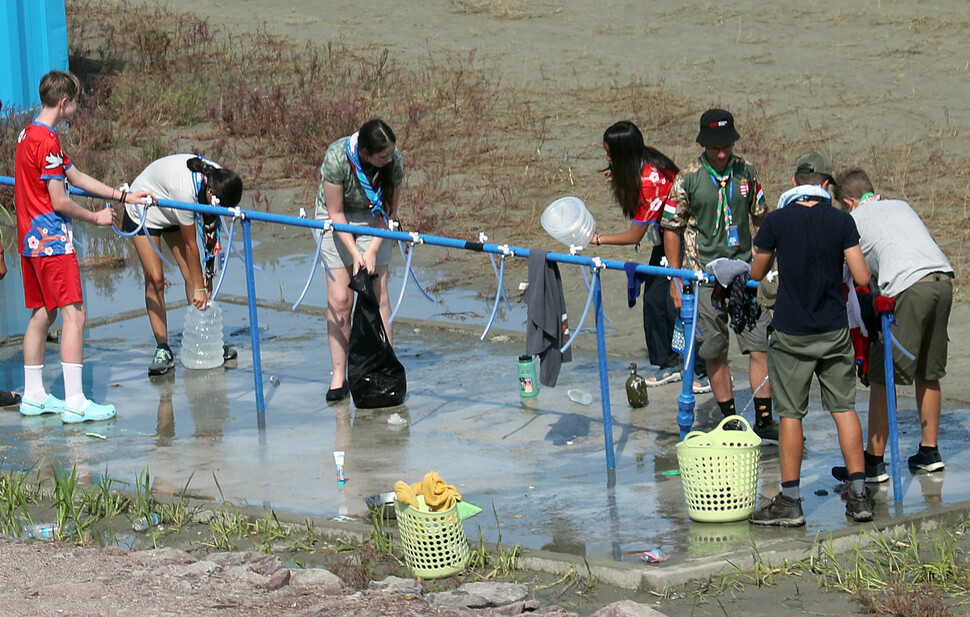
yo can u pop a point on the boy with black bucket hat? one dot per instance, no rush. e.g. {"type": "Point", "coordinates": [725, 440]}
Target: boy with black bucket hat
{"type": "Point", "coordinates": [714, 201]}
{"type": "Point", "coordinates": [809, 332]}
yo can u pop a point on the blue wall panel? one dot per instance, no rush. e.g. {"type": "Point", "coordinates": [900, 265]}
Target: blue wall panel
{"type": "Point", "coordinates": [33, 41]}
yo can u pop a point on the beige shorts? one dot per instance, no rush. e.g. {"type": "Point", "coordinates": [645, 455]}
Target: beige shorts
{"type": "Point", "coordinates": [336, 255]}
{"type": "Point", "coordinates": [713, 325]}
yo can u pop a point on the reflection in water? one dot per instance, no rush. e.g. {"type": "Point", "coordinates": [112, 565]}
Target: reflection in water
{"type": "Point", "coordinates": [932, 486]}
{"type": "Point", "coordinates": [206, 391]}
{"type": "Point", "coordinates": [371, 447]}
{"type": "Point", "coordinates": [709, 539]}
{"type": "Point", "coordinates": [165, 429]}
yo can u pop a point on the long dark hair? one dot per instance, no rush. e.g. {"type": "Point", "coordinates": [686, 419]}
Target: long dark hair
{"type": "Point", "coordinates": [627, 154]}
{"type": "Point", "coordinates": [225, 184]}
{"type": "Point", "coordinates": [375, 136]}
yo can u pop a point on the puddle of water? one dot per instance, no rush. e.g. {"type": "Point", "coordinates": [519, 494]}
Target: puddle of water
{"type": "Point", "coordinates": [537, 462]}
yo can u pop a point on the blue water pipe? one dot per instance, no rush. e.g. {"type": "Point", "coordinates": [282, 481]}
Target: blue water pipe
{"type": "Point", "coordinates": [604, 373]}
{"type": "Point", "coordinates": [253, 317]}
{"type": "Point", "coordinates": [888, 319]}
{"type": "Point", "coordinates": [685, 414]}
{"type": "Point", "coordinates": [686, 400]}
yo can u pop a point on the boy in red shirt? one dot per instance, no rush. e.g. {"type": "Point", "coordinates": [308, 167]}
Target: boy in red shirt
{"type": "Point", "coordinates": [52, 276]}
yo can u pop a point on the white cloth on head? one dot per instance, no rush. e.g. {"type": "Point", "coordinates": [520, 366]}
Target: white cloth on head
{"type": "Point", "coordinates": [802, 193]}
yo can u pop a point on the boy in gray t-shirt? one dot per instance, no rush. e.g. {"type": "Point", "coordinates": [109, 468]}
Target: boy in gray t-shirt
{"type": "Point", "coordinates": [911, 269]}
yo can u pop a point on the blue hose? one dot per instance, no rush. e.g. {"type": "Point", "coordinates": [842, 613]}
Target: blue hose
{"type": "Point", "coordinates": [141, 224]}
{"type": "Point", "coordinates": [225, 260]}
{"type": "Point", "coordinates": [407, 257]}
{"type": "Point", "coordinates": [404, 285]}
{"type": "Point", "coordinates": [589, 302]}
{"type": "Point", "coordinates": [498, 299]}
{"type": "Point", "coordinates": [589, 289]}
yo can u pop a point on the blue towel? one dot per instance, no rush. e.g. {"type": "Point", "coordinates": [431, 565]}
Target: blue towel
{"type": "Point", "coordinates": [634, 282]}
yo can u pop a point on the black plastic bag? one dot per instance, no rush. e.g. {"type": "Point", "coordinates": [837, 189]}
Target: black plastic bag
{"type": "Point", "coordinates": [376, 377]}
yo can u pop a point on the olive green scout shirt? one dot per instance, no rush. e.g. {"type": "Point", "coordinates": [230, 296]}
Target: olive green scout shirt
{"type": "Point", "coordinates": [693, 205]}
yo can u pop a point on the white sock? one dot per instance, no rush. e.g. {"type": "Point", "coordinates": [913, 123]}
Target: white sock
{"type": "Point", "coordinates": [34, 383]}
{"type": "Point", "coordinates": [73, 386]}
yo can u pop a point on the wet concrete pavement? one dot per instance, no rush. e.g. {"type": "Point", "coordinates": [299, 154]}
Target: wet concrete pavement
{"type": "Point", "coordinates": [538, 463]}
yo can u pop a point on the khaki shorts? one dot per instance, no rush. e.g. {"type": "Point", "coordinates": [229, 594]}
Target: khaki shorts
{"type": "Point", "coordinates": [793, 360]}
{"type": "Point", "coordinates": [922, 315]}
{"type": "Point", "coordinates": [336, 255]}
{"type": "Point", "coordinates": [713, 325]}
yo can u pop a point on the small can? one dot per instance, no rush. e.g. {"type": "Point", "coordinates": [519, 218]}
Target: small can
{"type": "Point", "coordinates": [528, 382]}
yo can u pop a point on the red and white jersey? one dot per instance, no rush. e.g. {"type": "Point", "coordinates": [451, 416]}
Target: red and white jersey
{"type": "Point", "coordinates": [40, 230]}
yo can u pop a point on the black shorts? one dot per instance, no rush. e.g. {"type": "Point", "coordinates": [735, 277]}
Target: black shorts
{"type": "Point", "coordinates": [128, 226]}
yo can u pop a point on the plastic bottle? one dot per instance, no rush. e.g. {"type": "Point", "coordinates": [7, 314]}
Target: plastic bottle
{"type": "Point", "coordinates": [580, 396]}
{"type": "Point", "coordinates": [636, 388]}
{"type": "Point", "coordinates": [142, 523]}
{"type": "Point", "coordinates": [43, 531]}
{"type": "Point", "coordinates": [679, 341]}
{"type": "Point", "coordinates": [528, 383]}
{"type": "Point", "coordinates": [202, 338]}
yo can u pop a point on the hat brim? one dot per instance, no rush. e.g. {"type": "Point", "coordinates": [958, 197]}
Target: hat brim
{"type": "Point", "coordinates": [717, 136]}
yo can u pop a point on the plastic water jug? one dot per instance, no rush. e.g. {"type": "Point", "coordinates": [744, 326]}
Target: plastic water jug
{"type": "Point", "coordinates": [568, 221]}
{"type": "Point", "coordinates": [202, 338]}
{"type": "Point", "coordinates": [528, 383]}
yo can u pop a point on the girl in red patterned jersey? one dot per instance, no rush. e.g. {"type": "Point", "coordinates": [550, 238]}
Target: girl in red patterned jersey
{"type": "Point", "coordinates": [641, 178]}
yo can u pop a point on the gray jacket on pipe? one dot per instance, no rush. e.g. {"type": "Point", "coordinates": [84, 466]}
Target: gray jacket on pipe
{"type": "Point", "coordinates": [547, 329]}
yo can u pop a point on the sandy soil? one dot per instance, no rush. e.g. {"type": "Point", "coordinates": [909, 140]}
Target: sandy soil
{"type": "Point", "coordinates": [851, 76]}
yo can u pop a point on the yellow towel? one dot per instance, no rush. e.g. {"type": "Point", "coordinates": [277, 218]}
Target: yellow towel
{"type": "Point", "coordinates": [404, 494]}
{"type": "Point", "coordinates": [438, 495]}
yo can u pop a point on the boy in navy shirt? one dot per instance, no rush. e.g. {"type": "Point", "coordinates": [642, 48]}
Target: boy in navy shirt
{"type": "Point", "coordinates": [809, 332]}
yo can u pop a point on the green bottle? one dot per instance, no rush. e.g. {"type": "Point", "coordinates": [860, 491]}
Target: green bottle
{"type": "Point", "coordinates": [636, 388]}
{"type": "Point", "coordinates": [528, 383]}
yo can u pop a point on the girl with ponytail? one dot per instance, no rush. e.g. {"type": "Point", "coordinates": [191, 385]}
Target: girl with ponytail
{"type": "Point", "coordinates": [360, 184]}
{"type": "Point", "coordinates": [191, 179]}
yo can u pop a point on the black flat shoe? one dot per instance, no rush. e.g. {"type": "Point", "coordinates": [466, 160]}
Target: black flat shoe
{"type": "Point", "coordinates": [9, 398]}
{"type": "Point", "coordinates": [338, 394]}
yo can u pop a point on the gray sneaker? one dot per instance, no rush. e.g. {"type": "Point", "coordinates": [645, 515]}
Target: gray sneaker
{"type": "Point", "coordinates": [859, 507]}
{"type": "Point", "coordinates": [782, 511]}
{"type": "Point", "coordinates": [162, 363]}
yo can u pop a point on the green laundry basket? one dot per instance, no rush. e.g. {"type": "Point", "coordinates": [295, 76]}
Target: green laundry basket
{"type": "Point", "coordinates": [719, 471]}
{"type": "Point", "coordinates": [434, 543]}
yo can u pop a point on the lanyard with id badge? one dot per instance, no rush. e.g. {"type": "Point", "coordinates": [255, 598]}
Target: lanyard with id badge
{"type": "Point", "coordinates": [725, 195]}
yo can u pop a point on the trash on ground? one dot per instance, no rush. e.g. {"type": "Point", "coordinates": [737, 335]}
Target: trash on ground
{"type": "Point", "coordinates": [654, 556]}
{"type": "Point", "coordinates": [580, 396]}
{"type": "Point", "coordinates": [143, 523]}
{"type": "Point", "coordinates": [338, 459]}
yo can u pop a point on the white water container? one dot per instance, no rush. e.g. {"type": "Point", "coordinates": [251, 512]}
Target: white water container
{"type": "Point", "coordinates": [568, 221]}
{"type": "Point", "coordinates": [202, 338]}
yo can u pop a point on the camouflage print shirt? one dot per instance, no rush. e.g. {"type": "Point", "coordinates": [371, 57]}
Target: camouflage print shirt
{"type": "Point", "coordinates": [693, 205]}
